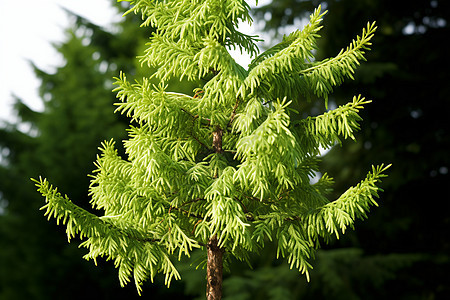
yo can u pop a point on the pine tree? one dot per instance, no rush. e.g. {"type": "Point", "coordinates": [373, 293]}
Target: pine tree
{"type": "Point", "coordinates": [227, 168]}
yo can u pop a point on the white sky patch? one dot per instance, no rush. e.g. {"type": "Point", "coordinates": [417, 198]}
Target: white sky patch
{"type": "Point", "coordinates": [27, 34]}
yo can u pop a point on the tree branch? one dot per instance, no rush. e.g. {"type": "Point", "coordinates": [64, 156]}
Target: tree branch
{"type": "Point", "coordinates": [233, 113]}
{"type": "Point", "coordinates": [186, 212]}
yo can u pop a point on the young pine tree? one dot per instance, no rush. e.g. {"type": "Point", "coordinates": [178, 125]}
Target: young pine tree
{"type": "Point", "coordinates": [229, 167]}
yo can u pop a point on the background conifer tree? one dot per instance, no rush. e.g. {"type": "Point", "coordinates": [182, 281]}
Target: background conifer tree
{"type": "Point", "coordinates": [61, 141]}
{"type": "Point", "coordinates": [402, 251]}
{"type": "Point", "coordinates": [227, 168]}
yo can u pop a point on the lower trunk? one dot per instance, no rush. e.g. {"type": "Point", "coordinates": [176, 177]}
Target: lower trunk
{"type": "Point", "coordinates": [214, 270]}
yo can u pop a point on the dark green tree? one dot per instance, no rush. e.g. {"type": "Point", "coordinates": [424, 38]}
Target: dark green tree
{"type": "Point", "coordinates": [61, 141]}
{"type": "Point", "coordinates": [403, 249]}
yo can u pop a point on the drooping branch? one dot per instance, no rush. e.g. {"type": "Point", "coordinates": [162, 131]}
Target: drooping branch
{"type": "Point", "coordinates": [233, 113]}
{"type": "Point", "coordinates": [194, 118]}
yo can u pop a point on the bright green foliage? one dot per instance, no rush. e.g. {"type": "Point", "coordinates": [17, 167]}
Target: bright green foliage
{"type": "Point", "coordinates": [231, 160]}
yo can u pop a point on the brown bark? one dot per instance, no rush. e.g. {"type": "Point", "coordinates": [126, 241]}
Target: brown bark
{"type": "Point", "coordinates": [214, 270]}
{"type": "Point", "coordinates": [217, 140]}
{"type": "Point", "coordinates": [214, 267]}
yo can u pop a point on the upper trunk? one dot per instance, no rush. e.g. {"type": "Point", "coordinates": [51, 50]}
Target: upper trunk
{"type": "Point", "coordinates": [217, 140]}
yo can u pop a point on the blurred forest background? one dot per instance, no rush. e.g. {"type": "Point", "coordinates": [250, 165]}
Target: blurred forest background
{"type": "Point", "coordinates": [401, 252]}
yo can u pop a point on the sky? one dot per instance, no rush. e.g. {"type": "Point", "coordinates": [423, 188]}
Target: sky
{"type": "Point", "coordinates": [26, 35]}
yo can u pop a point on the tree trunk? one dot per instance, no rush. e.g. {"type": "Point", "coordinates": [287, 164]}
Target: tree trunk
{"type": "Point", "coordinates": [214, 270]}
{"type": "Point", "coordinates": [217, 140]}
{"type": "Point", "coordinates": [215, 253]}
